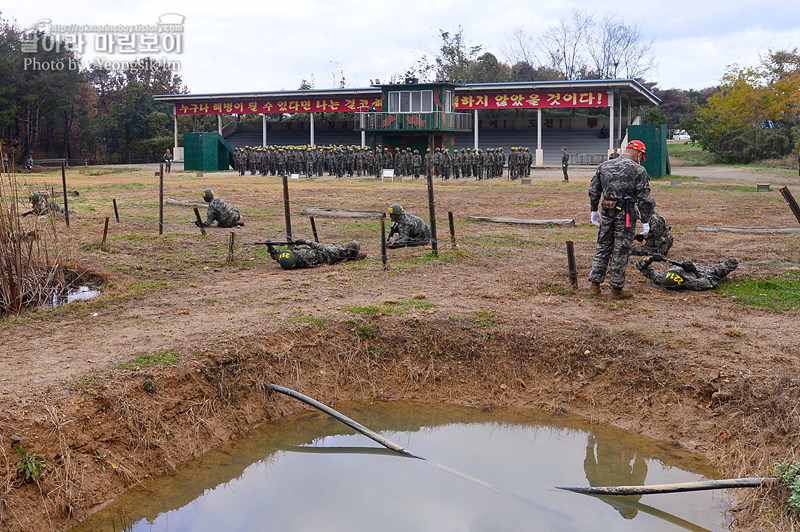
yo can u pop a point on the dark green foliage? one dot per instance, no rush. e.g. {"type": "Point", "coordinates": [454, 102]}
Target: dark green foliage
{"type": "Point", "coordinates": [70, 111]}
{"type": "Point", "coordinates": [789, 475]}
{"type": "Point", "coordinates": [654, 116]}
{"type": "Point", "coordinates": [753, 144]}
{"type": "Point", "coordinates": [29, 466]}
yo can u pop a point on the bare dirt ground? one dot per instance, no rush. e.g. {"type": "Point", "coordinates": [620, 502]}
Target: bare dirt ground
{"type": "Point", "coordinates": [491, 323]}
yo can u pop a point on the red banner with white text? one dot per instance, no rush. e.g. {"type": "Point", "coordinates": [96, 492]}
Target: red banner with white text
{"type": "Point", "coordinates": [278, 105]}
{"type": "Point", "coordinates": [530, 100]}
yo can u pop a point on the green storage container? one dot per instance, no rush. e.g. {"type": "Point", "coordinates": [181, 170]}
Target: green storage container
{"type": "Point", "coordinates": [206, 152]}
{"type": "Point", "coordinates": [655, 139]}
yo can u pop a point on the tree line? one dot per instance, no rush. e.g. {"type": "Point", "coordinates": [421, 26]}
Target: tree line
{"type": "Point", "coordinates": [50, 106]}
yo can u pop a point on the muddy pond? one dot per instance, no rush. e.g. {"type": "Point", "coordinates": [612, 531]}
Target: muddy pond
{"type": "Point", "coordinates": [309, 472]}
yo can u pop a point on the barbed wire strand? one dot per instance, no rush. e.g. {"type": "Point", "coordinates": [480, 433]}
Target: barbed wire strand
{"type": "Point", "coordinates": [503, 240]}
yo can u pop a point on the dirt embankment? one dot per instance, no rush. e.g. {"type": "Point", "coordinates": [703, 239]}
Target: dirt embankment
{"type": "Point", "coordinates": [103, 437]}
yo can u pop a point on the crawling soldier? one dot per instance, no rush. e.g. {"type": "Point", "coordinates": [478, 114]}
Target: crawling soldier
{"type": "Point", "coordinates": [656, 242]}
{"type": "Point", "coordinates": [410, 229]}
{"type": "Point", "coordinates": [309, 254]}
{"type": "Point", "coordinates": [40, 205]}
{"type": "Point", "coordinates": [218, 211]}
{"type": "Point", "coordinates": [685, 275]}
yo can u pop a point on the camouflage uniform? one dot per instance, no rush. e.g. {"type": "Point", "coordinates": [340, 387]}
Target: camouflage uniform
{"type": "Point", "coordinates": [565, 164]}
{"type": "Point", "coordinates": [312, 254]}
{"type": "Point", "coordinates": [658, 240]}
{"type": "Point", "coordinates": [528, 161]}
{"type": "Point", "coordinates": [168, 161]}
{"type": "Point", "coordinates": [623, 182]}
{"type": "Point", "coordinates": [387, 158]}
{"type": "Point", "coordinates": [428, 163]}
{"type": "Point", "coordinates": [411, 231]}
{"type": "Point", "coordinates": [416, 162]}
{"type": "Point", "coordinates": [688, 276]}
{"type": "Point", "coordinates": [218, 211]}
{"type": "Point", "coordinates": [612, 462]}
{"type": "Point", "coordinates": [42, 206]}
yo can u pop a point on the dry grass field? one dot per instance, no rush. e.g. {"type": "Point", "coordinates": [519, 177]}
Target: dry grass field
{"type": "Point", "coordinates": [176, 355]}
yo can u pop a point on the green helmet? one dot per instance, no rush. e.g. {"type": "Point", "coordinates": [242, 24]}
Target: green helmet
{"type": "Point", "coordinates": [287, 259]}
{"type": "Point", "coordinates": [672, 279]}
{"type": "Point", "coordinates": [395, 208]}
{"type": "Point", "coordinates": [208, 194]}
{"type": "Point", "coordinates": [34, 196]}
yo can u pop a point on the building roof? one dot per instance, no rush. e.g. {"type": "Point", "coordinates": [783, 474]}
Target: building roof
{"type": "Point", "coordinates": [628, 89]}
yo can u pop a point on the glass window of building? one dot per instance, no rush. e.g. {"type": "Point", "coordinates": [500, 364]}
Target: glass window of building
{"type": "Point", "coordinates": [411, 101]}
{"type": "Point", "coordinates": [426, 105]}
{"type": "Point", "coordinates": [405, 102]}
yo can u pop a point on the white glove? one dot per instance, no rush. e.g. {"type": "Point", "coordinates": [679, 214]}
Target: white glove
{"type": "Point", "coordinates": [596, 218]}
{"type": "Point", "coordinates": [645, 229]}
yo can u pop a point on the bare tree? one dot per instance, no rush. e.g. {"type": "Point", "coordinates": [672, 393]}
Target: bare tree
{"type": "Point", "coordinates": [564, 43]}
{"type": "Point", "coordinates": [636, 56]}
{"type": "Point", "coordinates": [581, 47]}
{"type": "Point", "coordinates": [603, 46]}
{"type": "Point", "coordinates": [520, 47]}
{"type": "Point", "coordinates": [338, 79]}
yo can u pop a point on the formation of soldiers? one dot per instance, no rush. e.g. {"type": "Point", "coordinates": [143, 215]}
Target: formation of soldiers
{"type": "Point", "coordinates": [309, 161]}
{"type": "Point", "coordinates": [519, 163]}
{"type": "Point", "coordinates": [466, 163]}
{"type": "Point", "coordinates": [360, 161]}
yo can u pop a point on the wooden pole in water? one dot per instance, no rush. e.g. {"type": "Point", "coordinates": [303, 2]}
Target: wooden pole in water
{"type": "Point", "coordinates": [346, 420]}
{"type": "Point", "coordinates": [116, 212]}
{"type": "Point", "coordinates": [199, 221]}
{"type": "Point", "coordinates": [432, 214]}
{"type": "Point", "coordinates": [573, 268]}
{"type": "Point", "coordinates": [161, 198]}
{"type": "Point", "coordinates": [64, 186]}
{"type": "Point", "coordinates": [286, 209]}
{"type": "Point", "coordinates": [314, 229]}
{"type": "Point", "coordinates": [754, 482]}
{"type": "Point", "coordinates": [402, 450]}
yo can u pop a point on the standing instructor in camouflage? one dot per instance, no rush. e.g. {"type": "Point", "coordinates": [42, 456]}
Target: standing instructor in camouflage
{"type": "Point", "coordinates": [623, 184]}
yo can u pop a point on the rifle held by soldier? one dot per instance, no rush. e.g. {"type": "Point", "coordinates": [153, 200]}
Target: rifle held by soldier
{"type": "Point", "coordinates": [271, 243]}
{"type": "Point", "coordinates": [392, 231]}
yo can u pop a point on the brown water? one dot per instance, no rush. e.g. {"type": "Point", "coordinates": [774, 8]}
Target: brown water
{"type": "Point", "coordinates": [312, 473]}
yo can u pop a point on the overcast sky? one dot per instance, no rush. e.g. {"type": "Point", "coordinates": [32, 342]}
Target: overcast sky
{"type": "Point", "coordinates": [242, 45]}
